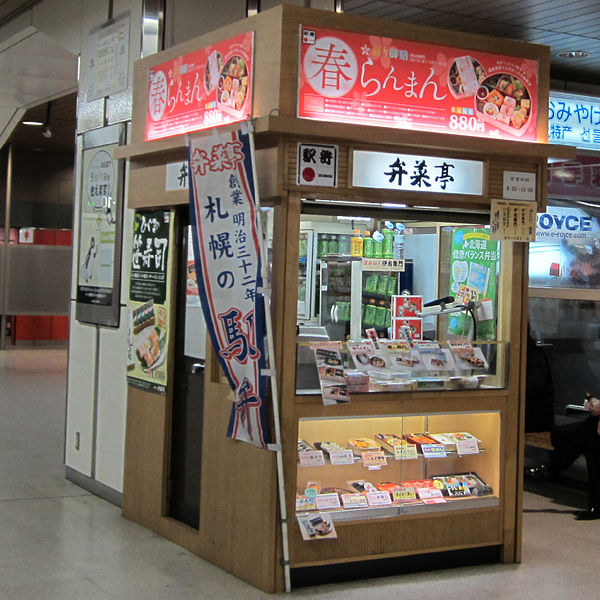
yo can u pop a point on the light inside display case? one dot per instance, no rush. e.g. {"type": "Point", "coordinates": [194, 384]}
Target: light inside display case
{"type": "Point", "coordinates": [386, 466]}
{"type": "Point", "coordinates": [397, 305]}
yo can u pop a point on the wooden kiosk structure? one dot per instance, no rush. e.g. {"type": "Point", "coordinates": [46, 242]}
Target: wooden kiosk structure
{"type": "Point", "coordinates": [239, 526]}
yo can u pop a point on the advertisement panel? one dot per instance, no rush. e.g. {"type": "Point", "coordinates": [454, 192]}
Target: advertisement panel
{"type": "Point", "coordinates": [566, 252]}
{"type": "Point", "coordinates": [202, 89]}
{"type": "Point", "coordinates": [473, 266]}
{"type": "Point", "coordinates": [360, 78]}
{"type": "Point", "coordinates": [227, 242]}
{"type": "Point", "coordinates": [149, 284]}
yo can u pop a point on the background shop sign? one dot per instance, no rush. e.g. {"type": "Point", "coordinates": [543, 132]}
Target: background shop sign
{"type": "Point", "coordinates": [574, 120]}
{"type": "Point", "coordinates": [473, 266]}
{"type": "Point", "coordinates": [228, 266]}
{"type": "Point", "coordinates": [566, 252]}
{"type": "Point", "coordinates": [410, 172]}
{"type": "Point", "coordinates": [206, 88]}
{"type": "Point", "coordinates": [578, 178]}
{"type": "Point", "coordinates": [149, 285]}
{"type": "Point", "coordinates": [360, 78]}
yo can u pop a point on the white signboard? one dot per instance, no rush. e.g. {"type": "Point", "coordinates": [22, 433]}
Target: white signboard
{"type": "Point", "coordinates": [108, 58]}
{"type": "Point", "coordinates": [177, 176]}
{"type": "Point", "coordinates": [414, 173]}
{"type": "Point", "coordinates": [574, 120]}
{"type": "Point", "coordinates": [317, 165]}
{"type": "Point", "coordinates": [518, 185]}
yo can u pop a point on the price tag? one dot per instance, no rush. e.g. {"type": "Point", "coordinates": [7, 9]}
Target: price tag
{"type": "Point", "coordinates": [467, 447]}
{"type": "Point", "coordinates": [354, 501]}
{"type": "Point", "coordinates": [430, 495]}
{"type": "Point", "coordinates": [312, 458]}
{"type": "Point", "coordinates": [405, 452]}
{"type": "Point", "coordinates": [325, 501]}
{"type": "Point", "coordinates": [378, 498]}
{"type": "Point", "coordinates": [401, 494]}
{"type": "Point", "coordinates": [433, 450]}
{"type": "Point", "coordinates": [305, 503]}
{"type": "Point", "coordinates": [341, 457]}
{"type": "Point", "coordinates": [374, 460]}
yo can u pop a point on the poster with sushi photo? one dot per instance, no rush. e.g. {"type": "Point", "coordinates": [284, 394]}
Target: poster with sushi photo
{"type": "Point", "coordinates": [149, 303]}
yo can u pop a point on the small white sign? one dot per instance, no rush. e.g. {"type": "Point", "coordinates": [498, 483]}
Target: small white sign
{"type": "Point", "coordinates": [317, 165]}
{"type": "Point", "coordinates": [312, 458]}
{"type": "Point", "coordinates": [326, 501]}
{"type": "Point", "coordinates": [405, 452]}
{"type": "Point", "coordinates": [467, 447]}
{"type": "Point", "coordinates": [379, 498]}
{"type": "Point", "coordinates": [177, 176]}
{"type": "Point", "coordinates": [430, 495]}
{"type": "Point", "coordinates": [341, 457]}
{"type": "Point", "coordinates": [519, 186]}
{"type": "Point", "coordinates": [354, 501]}
{"type": "Point", "coordinates": [414, 173]}
{"type": "Point", "coordinates": [433, 450]}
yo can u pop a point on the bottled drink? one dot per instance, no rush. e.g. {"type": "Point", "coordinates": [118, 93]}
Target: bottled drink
{"type": "Point", "coordinates": [368, 245]}
{"type": "Point", "coordinates": [388, 243]}
{"type": "Point", "coordinates": [398, 248]}
{"type": "Point", "coordinates": [334, 245]}
{"type": "Point", "coordinates": [356, 244]}
{"type": "Point", "coordinates": [377, 244]}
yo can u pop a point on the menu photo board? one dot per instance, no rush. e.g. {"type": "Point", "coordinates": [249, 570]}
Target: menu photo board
{"type": "Point", "coordinates": [205, 88]}
{"type": "Point", "coordinates": [353, 77]}
{"type": "Point", "coordinates": [149, 285]}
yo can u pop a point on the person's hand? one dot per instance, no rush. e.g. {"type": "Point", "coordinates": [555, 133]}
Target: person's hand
{"type": "Point", "coordinates": [593, 405]}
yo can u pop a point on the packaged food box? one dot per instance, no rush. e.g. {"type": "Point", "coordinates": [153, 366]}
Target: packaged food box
{"type": "Point", "coordinates": [449, 439]}
{"type": "Point", "coordinates": [362, 486]}
{"type": "Point", "coordinates": [477, 487]}
{"type": "Point", "coordinates": [390, 441]}
{"type": "Point", "coordinates": [304, 446]}
{"type": "Point", "coordinates": [360, 445]}
{"type": "Point", "coordinates": [419, 439]}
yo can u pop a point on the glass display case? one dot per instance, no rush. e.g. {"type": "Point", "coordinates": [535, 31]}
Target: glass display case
{"type": "Point", "coordinates": [384, 466]}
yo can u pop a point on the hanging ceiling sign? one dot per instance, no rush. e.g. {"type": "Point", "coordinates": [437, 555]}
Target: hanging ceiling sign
{"type": "Point", "coordinates": [206, 88]}
{"type": "Point", "coordinates": [411, 172]}
{"type": "Point", "coordinates": [574, 120]}
{"type": "Point", "coordinates": [365, 79]}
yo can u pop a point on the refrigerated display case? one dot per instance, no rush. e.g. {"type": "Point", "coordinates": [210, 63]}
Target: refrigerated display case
{"type": "Point", "coordinates": [356, 294]}
{"type": "Point", "coordinates": [306, 275]}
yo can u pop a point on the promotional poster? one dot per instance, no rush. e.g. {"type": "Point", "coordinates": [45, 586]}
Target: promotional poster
{"type": "Point", "coordinates": [359, 78]}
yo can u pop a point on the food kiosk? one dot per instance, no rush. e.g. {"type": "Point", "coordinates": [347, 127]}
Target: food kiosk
{"type": "Point", "coordinates": [398, 360]}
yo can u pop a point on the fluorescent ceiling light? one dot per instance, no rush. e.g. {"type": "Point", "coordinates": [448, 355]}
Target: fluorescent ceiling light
{"type": "Point", "coordinates": [32, 123]}
{"type": "Point", "coordinates": [573, 54]}
{"type": "Point", "coordinates": [392, 205]}
{"type": "Point", "coordinates": [344, 218]}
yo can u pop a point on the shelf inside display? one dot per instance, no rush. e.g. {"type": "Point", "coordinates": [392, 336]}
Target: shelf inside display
{"type": "Point", "coordinates": [405, 508]}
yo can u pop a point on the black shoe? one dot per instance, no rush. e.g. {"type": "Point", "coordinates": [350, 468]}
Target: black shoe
{"type": "Point", "coordinates": [591, 514]}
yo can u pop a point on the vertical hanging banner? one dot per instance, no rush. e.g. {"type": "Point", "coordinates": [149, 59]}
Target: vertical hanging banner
{"type": "Point", "coordinates": [149, 285]}
{"type": "Point", "coordinates": [228, 264]}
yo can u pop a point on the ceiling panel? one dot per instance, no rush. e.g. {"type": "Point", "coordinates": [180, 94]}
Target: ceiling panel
{"type": "Point", "coordinates": [560, 24]}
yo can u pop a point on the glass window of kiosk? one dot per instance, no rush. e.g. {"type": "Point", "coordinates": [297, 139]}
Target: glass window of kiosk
{"type": "Point", "coordinates": [564, 295]}
{"type": "Point", "coordinates": [397, 300]}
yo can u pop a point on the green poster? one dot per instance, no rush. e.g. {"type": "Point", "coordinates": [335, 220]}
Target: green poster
{"type": "Point", "coordinates": [473, 268]}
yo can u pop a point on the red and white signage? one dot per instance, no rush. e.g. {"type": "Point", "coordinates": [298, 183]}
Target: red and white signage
{"type": "Point", "coordinates": [360, 78]}
{"type": "Point", "coordinates": [206, 88]}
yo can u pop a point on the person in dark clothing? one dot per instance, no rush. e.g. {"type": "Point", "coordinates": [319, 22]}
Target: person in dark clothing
{"type": "Point", "coordinates": [539, 389]}
{"type": "Point", "coordinates": [570, 441]}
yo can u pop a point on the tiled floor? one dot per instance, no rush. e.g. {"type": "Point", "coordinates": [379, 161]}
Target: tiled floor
{"type": "Point", "coordinates": [59, 542]}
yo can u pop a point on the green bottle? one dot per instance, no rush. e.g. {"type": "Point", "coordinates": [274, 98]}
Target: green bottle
{"type": "Point", "coordinates": [388, 243]}
{"type": "Point", "coordinates": [377, 244]}
{"type": "Point", "coordinates": [368, 245]}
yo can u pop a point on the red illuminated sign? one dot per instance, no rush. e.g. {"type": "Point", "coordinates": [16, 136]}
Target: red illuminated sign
{"type": "Point", "coordinates": [360, 78]}
{"type": "Point", "coordinates": [206, 88]}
